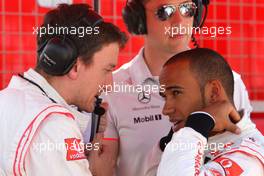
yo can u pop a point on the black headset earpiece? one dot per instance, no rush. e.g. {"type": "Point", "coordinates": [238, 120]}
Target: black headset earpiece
{"type": "Point", "coordinates": [58, 56]}
{"type": "Point", "coordinates": [202, 6]}
{"type": "Point", "coordinates": [135, 17]}
{"type": "Point", "coordinates": [201, 12]}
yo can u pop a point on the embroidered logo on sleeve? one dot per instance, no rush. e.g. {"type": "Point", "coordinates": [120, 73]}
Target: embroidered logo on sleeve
{"type": "Point", "coordinates": [215, 172]}
{"type": "Point", "coordinates": [198, 159]}
{"type": "Point", "coordinates": [231, 167]}
{"type": "Point", "coordinates": [75, 150]}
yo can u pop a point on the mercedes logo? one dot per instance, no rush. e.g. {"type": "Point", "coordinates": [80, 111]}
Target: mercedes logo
{"type": "Point", "coordinates": [144, 97]}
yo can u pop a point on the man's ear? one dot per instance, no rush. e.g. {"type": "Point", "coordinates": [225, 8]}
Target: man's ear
{"type": "Point", "coordinates": [214, 91]}
{"type": "Point", "coordinates": [74, 72]}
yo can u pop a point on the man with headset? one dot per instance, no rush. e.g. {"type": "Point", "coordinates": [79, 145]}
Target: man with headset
{"type": "Point", "coordinates": [135, 127]}
{"type": "Point", "coordinates": [39, 129]}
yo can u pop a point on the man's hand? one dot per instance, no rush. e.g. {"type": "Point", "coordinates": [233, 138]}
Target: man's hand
{"type": "Point", "coordinates": [103, 120]}
{"type": "Point", "coordinates": [225, 116]}
{"type": "Point", "coordinates": [101, 129]}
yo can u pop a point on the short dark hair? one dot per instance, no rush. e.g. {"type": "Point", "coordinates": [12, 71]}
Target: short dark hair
{"type": "Point", "coordinates": [79, 15]}
{"type": "Point", "coordinates": [207, 65]}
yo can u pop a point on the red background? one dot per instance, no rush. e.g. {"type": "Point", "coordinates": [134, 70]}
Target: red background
{"type": "Point", "coordinates": [244, 48]}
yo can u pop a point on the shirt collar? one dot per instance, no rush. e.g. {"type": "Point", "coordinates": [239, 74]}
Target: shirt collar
{"type": "Point", "coordinates": [139, 70]}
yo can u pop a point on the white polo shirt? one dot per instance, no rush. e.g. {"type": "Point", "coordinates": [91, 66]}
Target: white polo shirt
{"type": "Point", "coordinates": [139, 124]}
{"type": "Point", "coordinates": [135, 120]}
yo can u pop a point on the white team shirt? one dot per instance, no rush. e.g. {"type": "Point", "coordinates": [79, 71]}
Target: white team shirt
{"type": "Point", "coordinates": [38, 137]}
{"type": "Point", "coordinates": [229, 154]}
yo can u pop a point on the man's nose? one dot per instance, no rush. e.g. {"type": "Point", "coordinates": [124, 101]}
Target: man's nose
{"type": "Point", "coordinates": [109, 79]}
{"type": "Point", "coordinates": [168, 108]}
{"type": "Point", "coordinates": [176, 18]}
{"type": "Point", "coordinates": [108, 83]}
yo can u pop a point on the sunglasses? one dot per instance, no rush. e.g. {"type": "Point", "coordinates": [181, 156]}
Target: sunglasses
{"type": "Point", "coordinates": [186, 9]}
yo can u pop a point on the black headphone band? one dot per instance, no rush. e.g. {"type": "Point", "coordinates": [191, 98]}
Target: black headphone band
{"type": "Point", "coordinates": [41, 47]}
{"type": "Point", "coordinates": [81, 18]}
{"type": "Point", "coordinates": [58, 54]}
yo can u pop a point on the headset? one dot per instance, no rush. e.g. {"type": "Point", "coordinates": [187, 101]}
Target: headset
{"type": "Point", "coordinates": [58, 54]}
{"type": "Point", "coordinates": [135, 17]}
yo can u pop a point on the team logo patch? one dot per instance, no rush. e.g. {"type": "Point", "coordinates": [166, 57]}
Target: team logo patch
{"type": "Point", "coordinates": [215, 172]}
{"type": "Point", "coordinates": [149, 118]}
{"type": "Point", "coordinates": [75, 150]}
{"type": "Point", "coordinates": [231, 167]}
{"type": "Point", "coordinates": [144, 97]}
{"type": "Point", "coordinates": [198, 158]}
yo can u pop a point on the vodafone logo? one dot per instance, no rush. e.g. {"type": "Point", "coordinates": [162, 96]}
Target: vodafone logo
{"type": "Point", "coordinates": [76, 145]}
{"type": "Point", "coordinates": [231, 167]}
{"type": "Point", "coordinates": [75, 156]}
{"type": "Point", "coordinates": [75, 151]}
{"type": "Point", "coordinates": [226, 163]}
{"type": "Point", "coordinates": [215, 172]}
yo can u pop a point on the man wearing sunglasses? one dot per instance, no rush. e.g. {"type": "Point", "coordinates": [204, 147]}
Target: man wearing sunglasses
{"type": "Point", "coordinates": [135, 121]}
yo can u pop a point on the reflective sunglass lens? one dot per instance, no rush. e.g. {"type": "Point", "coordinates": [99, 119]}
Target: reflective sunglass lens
{"type": "Point", "coordinates": [187, 9]}
{"type": "Point", "coordinates": [165, 12]}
